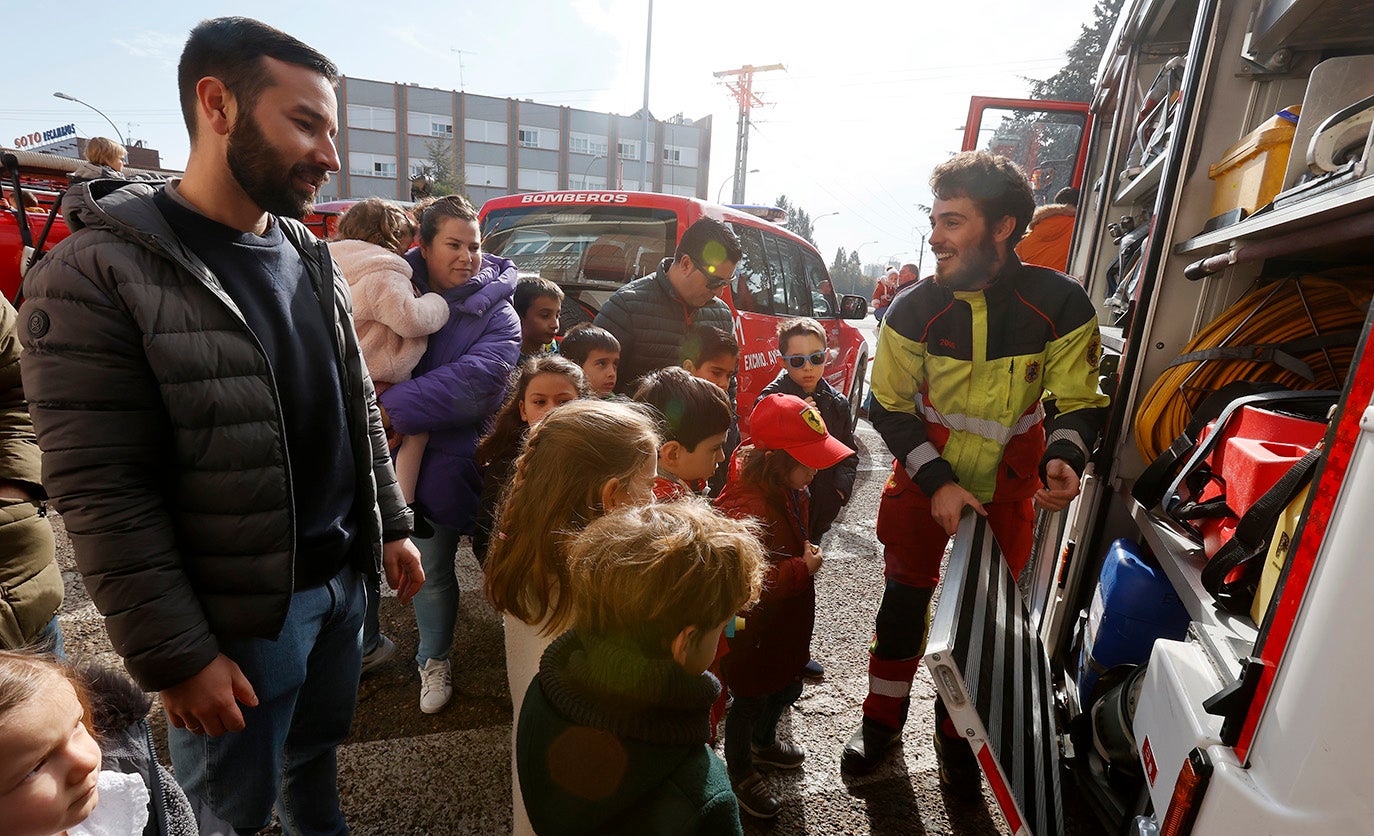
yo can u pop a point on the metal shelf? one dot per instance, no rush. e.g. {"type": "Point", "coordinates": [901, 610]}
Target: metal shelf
{"type": "Point", "coordinates": [1182, 561]}
{"type": "Point", "coordinates": [1343, 201]}
{"type": "Point", "coordinates": [1144, 183]}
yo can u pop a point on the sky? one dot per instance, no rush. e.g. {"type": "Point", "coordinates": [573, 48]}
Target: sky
{"type": "Point", "coordinates": [874, 94]}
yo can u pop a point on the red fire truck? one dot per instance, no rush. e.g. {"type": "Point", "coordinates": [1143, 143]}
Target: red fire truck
{"type": "Point", "coordinates": [591, 243]}
{"type": "Point", "coordinates": [1225, 228]}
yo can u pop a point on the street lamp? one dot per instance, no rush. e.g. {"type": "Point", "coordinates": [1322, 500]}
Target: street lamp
{"type": "Point", "coordinates": [859, 248]}
{"type": "Point", "coordinates": [921, 253]}
{"type": "Point", "coordinates": [97, 110]}
{"type": "Point", "coordinates": [588, 169]}
{"type": "Point", "coordinates": [727, 182]}
{"type": "Point", "coordinates": [826, 215]}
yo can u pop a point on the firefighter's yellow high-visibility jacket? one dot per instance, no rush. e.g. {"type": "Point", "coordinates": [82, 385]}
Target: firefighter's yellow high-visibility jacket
{"type": "Point", "coordinates": [964, 381]}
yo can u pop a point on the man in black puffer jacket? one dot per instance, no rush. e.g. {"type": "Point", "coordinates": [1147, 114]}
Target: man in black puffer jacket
{"type": "Point", "coordinates": [651, 315]}
{"type": "Point", "coordinates": [212, 438]}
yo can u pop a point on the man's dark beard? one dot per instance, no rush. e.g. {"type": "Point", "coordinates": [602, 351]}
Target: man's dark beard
{"type": "Point", "coordinates": [977, 271]}
{"type": "Point", "coordinates": [262, 174]}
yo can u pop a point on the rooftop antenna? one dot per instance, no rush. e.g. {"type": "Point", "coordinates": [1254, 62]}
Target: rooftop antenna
{"type": "Point", "coordinates": [461, 53]}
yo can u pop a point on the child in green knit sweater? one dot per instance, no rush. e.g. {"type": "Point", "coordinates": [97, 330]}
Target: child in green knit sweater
{"type": "Point", "coordinates": [614, 729]}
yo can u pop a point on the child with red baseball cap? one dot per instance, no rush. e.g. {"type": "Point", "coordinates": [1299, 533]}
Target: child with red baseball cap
{"type": "Point", "coordinates": [764, 666]}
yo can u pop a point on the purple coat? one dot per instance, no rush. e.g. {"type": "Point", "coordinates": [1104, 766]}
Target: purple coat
{"type": "Point", "coordinates": [457, 386]}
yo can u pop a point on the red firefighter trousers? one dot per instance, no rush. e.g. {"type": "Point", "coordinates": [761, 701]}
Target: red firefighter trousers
{"type": "Point", "coordinates": [913, 548]}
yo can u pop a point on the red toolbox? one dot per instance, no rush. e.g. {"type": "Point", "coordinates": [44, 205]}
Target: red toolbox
{"type": "Point", "coordinates": [1256, 448]}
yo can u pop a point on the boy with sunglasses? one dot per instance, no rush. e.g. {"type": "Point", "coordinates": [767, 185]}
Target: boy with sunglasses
{"type": "Point", "coordinates": [801, 342]}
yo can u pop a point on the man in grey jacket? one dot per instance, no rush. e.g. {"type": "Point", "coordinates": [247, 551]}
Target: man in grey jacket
{"type": "Point", "coordinates": [650, 315]}
{"type": "Point", "coordinates": [212, 439]}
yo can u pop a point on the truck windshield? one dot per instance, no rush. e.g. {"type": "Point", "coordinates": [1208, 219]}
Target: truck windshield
{"type": "Point", "coordinates": [583, 246]}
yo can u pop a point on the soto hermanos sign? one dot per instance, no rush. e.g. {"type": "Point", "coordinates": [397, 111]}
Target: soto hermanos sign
{"type": "Point", "coordinates": [38, 138]}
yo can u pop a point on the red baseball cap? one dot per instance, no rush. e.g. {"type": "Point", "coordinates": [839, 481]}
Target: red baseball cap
{"type": "Point", "coordinates": [788, 423]}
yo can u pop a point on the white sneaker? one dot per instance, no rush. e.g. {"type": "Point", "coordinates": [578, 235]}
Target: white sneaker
{"type": "Point", "coordinates": [435, 689]}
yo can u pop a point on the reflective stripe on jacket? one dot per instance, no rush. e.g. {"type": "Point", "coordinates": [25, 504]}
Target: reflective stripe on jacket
{"type": "Point", "coordinates": [961, 380]}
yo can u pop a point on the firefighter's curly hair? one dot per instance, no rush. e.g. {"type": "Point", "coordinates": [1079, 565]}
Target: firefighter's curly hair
{"type": "Point", "coordinates": [995, 184]}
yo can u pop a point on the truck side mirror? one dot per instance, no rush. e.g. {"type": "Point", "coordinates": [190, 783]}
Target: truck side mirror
{"type": "Point", "coordinates": [853, 307]}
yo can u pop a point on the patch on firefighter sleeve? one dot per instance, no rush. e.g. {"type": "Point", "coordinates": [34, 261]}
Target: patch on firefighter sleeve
{"type": "Point", "coordinates": [39, 324]}
{"type": "Point", "coordinates": [1032, 371]}
{"type": "Point", "coordinates": [1094, 351]}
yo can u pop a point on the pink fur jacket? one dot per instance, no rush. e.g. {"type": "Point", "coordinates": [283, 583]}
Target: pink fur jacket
{"type": "Point", "coordinates": [393, 322]}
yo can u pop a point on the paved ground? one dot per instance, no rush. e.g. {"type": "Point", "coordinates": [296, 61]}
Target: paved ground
{"type": "Point", "coordinates": [404, 772]}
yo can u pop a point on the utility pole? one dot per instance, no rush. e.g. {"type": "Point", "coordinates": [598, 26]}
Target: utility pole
{"type": "Point", "coordinates": [741, 86]}
{"type": "Point", "coordinates": [647, 182]}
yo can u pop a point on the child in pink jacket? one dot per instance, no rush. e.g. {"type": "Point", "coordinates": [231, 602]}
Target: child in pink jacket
{"type": "Point", "coordinates": [393, 319]}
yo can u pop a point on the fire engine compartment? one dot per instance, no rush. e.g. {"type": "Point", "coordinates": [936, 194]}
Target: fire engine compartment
{"type": "Point", "coordinates": [1184, 84]}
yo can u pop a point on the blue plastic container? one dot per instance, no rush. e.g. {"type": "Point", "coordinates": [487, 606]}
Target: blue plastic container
{"type": "Point", "coordinates": [1134, 605]}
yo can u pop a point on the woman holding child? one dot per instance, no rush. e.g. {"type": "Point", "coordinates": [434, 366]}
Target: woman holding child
{"type": "Point", "coordinates": [456, 387]}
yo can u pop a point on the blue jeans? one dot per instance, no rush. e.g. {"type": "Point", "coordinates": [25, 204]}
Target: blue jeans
{"type": "Point", "coordinates": [436, 604]}
{"type": "Point", "coordinates": [306, 682]}
{"type": "Point", "coordinates": [50, 640]}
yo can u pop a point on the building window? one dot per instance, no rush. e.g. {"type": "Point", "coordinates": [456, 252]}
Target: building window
{"type": "Point", "coordinates": [429, 124]}
{"type": "Point", "coordinates": [628, 150]}
{"type": "Point", "coordinates": [546, 138]}
{"type": "Point", "coordinates": [481, 130]}
{"type": "Point", "coordinates": [591, 182]}
{"type": "Point", "coordinates": [486, 175]}
{"type": "Point", "coordinates": [372, 165]}
{"type": "Point", "coordinates": [538, 180]}
{"type": "Point", "coordinates": [679, 155]}
{"type": "Point", "coordinates": [371, 118]}
{"type": "Point", "coordinates": [590, 144]}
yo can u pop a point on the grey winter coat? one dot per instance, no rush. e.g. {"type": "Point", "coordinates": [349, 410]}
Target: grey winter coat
{"type": "Point", "coordinates": [650, 320]}
{"type": "Point", "coordinates": [30, 583]}
{"type": "Point", "coordinates": [163, 437]}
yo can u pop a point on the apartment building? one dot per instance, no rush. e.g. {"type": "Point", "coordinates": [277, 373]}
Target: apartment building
{"type": "Point", "coordinates": [391, 133]}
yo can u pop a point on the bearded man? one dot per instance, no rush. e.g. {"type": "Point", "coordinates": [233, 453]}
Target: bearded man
{"type": "Point", "coordinates": [967, 362]}
{"type": "Point", "coordinates": [211, 436]}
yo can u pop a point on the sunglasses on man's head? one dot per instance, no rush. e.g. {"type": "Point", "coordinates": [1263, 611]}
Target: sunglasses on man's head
{"type": "Point", "coordinates": [796, 361]}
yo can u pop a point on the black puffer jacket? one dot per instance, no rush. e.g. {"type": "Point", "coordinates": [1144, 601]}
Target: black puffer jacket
{"type": "Point", "coordinates": [650, 320]}
{"type": "Point", "coordinates": [163, 438]}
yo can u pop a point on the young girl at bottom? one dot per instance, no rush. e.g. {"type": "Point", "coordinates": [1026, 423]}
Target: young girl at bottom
{"type": "Point", "coordinates": [54, 778]}
{"type": "Point", "coordinates": [583, 460]}
{"type": "Point", "coordinates": [544, 382]}
{"type": "Point", "coordinates": [766, 658]}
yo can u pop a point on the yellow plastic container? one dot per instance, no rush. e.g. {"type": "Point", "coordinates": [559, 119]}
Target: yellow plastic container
{"type": "Point", "coordinates": [1279, 546]}
{"type": "Point", "coordinates": [1251, 172]}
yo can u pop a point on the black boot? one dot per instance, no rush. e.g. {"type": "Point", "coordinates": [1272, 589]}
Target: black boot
{"type": "Point", "coordinates": [867, 747]}
{"type": "Point", "coordinates": [960, 775]}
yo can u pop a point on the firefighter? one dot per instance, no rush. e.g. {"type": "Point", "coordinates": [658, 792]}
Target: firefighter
{"type": "Point", "coordinates": [967, 363]}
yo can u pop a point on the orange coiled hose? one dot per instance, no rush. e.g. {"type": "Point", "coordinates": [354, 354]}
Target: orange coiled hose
{"type": "Point", "coordinates": [1267, 315]}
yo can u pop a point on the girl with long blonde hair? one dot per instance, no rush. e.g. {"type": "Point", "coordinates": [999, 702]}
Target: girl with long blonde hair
{"type": "Point", "coordinates": [584, 459]}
